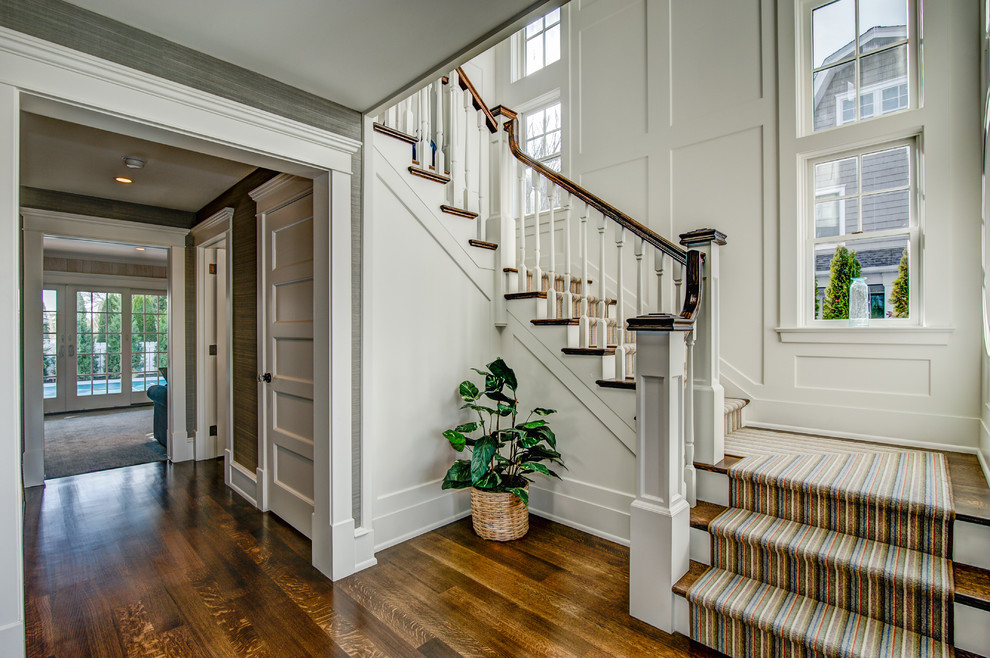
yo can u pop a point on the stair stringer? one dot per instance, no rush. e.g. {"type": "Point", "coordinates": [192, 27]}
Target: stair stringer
{"type": "Point", "coordinates": [423, 200]}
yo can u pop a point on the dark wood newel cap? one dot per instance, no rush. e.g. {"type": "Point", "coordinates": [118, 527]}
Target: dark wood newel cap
{"type": "Point", "coordinates": [702, 236]}
{"type": "Point", "coordinates": [503, 111]}
{"type": "Point", "coordinates": [656, 322]}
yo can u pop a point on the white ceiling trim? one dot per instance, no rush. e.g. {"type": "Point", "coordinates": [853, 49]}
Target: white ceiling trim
{"type": "Point", "coordinates": [23, 53]}
{"type": "Point", "coordinates": [217, 223]}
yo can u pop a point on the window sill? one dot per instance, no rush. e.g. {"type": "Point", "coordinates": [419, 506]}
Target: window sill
{"type": "Point", "coordinates": [866, 335]}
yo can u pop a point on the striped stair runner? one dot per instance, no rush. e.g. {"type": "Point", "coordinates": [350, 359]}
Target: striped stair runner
{"type": "Point", "coordinates": [834, 554]}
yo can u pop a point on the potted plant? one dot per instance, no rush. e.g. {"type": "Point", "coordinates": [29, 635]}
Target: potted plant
{"type": "Point", "coordinates": [504, 454]}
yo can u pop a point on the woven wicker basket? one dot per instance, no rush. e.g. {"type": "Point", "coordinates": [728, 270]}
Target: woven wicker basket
{"type": "Point", "coordinates": [499, 516]}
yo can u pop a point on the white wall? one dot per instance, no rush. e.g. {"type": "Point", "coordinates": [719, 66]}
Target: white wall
{"type": "Point", "coordinates": [671, 113]}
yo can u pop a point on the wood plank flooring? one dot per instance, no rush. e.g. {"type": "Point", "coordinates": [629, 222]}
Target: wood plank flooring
{"type": "Point", "coordinates": [164, 560]}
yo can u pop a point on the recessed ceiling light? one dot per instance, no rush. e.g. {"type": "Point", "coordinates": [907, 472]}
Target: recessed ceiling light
{"type": "Point", "coordinates": [132, 162]}
{"type": "Point", "coordinates": [123, 179]}
{"type": "Point", "coordinates": [139, 248]}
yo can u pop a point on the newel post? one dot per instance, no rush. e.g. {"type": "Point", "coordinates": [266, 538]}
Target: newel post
{"type": "Point", "coordinates": [709, 396]}
{"type": "Point", "coordinates": [660, 514]}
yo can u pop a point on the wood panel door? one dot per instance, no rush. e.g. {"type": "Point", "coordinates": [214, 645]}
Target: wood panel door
{"type": "Point", "coordinates": [287, 403]}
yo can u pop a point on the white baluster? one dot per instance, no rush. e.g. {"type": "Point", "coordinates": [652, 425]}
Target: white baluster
{"type": "Point", "coordinates": [440, 162]}
{"type": "Point", "coordinates": [678, 279]}
{"type": "Point", "coordinates": [584, 327]}
{"type": "Point", "coordinates": [690, 475]}
{"type": "Point", "coordinates": [601, 335]}
{"type": "Point", "coordinates": [391, 115]}
{"type": "Point", "coordinates": [483, 212]}
{"type": "Point", "coordinates": [424, 154]}
{"type": "Point", "coordinates": [468, 123]}
{"type": "Point", "coordinates": [537, 272]}
{"type": "Point", "coordinates": [640, 277]}
{"type": "Point", "coordinates": [658, 257]}
{"type": "Point", "coordinates": [521, 199]}
{"type": "Point", "coordinates": [552, 249]}
{"type": "Point", "coordinates": [567, 303]}
{"type": "Point", "coordinates": [620, 310]}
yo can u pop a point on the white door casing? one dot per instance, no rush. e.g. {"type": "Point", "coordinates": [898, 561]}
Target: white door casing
{"type": "Point", "coordinates": [285, 350]}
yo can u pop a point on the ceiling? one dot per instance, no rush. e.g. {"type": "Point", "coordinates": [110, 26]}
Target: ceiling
{"type": "Point", "coordinates": [69, 157]}
{"type": "Point", "coordinates": [93, 250]}
{"type": "Point", "coordinates": [354, 52]}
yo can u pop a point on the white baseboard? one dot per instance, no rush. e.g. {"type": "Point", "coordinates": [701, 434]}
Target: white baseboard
{"type": "Point", "coordinates": [888, 440]}
{"type": "Point", "coordinates": [240, 479]}
{"type": "Point", "coordinates": [432, 509]}
{"type": "Point", "coordinates": [12, 640]}
{"type": "Point", "coordinates": [586, 507]}
{"type": "Point", "coordinates": [33, 467]}
{"type": "Point", "coordinates": [183, 447]}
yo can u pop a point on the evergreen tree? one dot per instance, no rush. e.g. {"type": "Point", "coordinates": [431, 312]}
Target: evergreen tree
{"type": "Point", "coordinates": [900, 297]}
{"type": "Point", "coordinates": [844, 268]}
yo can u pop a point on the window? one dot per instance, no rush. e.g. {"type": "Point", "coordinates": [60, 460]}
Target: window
{"type": "Point", "coordinates": [49, 341]}
{"type": "Point", "coordinates": [149, 340]}
{"type": "Point", "coordinates": [859, 50]}
{"type": "Point", "coordinates": [542, 138]}
{"type": "Point", "coordinates": [864, 223]}
{"type": "Point", "coordinates": [540, 42]}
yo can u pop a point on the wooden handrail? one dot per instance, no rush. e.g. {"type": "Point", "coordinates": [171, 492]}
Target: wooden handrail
{"type": "Point", "coordinates": [479, 104]}
{"type": "Point", "coordinates": [607, 209]}
{"type": "Point", "coordinates": [685, 320]}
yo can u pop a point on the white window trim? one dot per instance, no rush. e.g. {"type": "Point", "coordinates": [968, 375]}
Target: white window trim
{"type": "Point", "coordinates": [915, 233]}
{"type": "Point", "coordinates": [805, 68]}
{"type": "Point", "coordinates": [517, 45]}
{"type": "Point", "coordinates": [877, 92]}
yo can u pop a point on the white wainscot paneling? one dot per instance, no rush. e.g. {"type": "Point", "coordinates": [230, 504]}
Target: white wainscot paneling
{"type": "Point", "coordinates": [716, 53]}
{"type": "Point", "coordinates": [612, 57]}
{"type": "Point", "coordinates": [624, 184]}
{"type": "Point", "coordinates": [428, 323]}
{"type": "Point", "coordinates": [718, 183]}
{"type": "Point", "coordinates": [864, 374]}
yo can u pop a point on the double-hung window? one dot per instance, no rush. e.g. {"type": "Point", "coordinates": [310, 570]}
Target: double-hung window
{"type": "Point", "coordinates": [538, 45]}
{"type": "Point", "coordinates": [864, 223]}
{"type": "Point", "coordinates": [861, 204]}
{"type": "Point", "coordinates": [542, 141]}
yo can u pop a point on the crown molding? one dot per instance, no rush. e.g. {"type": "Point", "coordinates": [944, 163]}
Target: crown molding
{"type": "Point", "coordinates": [212, 226]}
{"type": "Point", "coordinates": [51, 222]}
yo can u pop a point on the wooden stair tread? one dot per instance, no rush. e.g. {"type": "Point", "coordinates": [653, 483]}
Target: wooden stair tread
{"type": "Point", "coordinates": [972, 585]}
{"type": "Point", "coordinates": [588, 351]}
{"type": "Point", "coordinates": [483, 245]}
{"type": "Point", "coordinates": [429, 175]}
{"type": "Point", "coordinates": [721, 467]}
{"type": "Point", "coordinates": [695, 571]}
{"type": "Point", "coordinates": [529, 294]}
{"type": "Point", "coordinates": [970, 493]}
{"type": "Point", "coordinates": [627, 383]}
{"type": "Point", "coordinates": [556, 322]}
{"type": "Point", "coordinates": [704, 512]}
{"type": "Point", "coordinates": [460, 212]}
{"type": "Point", "coordinates": [392, 132]}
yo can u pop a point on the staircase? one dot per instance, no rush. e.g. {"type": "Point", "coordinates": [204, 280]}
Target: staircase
{"type": "Point", "coordinates": [707, 538]}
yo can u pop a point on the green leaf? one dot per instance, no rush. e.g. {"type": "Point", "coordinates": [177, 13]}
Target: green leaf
{"type": "Point", "coordinates": [533, 466]}
{"type": "Point", "coordinates": [467, 427]}
{"type": "Point", "coordinates": [533, 424]}
{"type": "Point", "coordinates": [521, 493]}
{"type": "Point", "coordinates": [538, 453]}
{"type": "Point", "coordinates": [457, 440]}
{"type": "Point", "coordinates": [540, 411]}
{"type": "Point", "coordinates": [483, 373]}
{"type": "Point", "coordinates": [484, 449]}
{"type": "Point", "coordinates": [498, 396]}
{"type": "Point", "coordinates": [478, 407]}
{"type": "Point", "coordinates": [500, 369]}
{"type": "Point", "coordinates": [493, 383]}
{"type": "Point", "coordinates": [469, 392]}
{"type": "Point", "coordinates": [530, 440]}
{"type": "Point", "coordinates": [489, 481]}
{"type": "Point", "coordinates": [458, 475]}
{"type": "Point", "coordinates": [504, 409]}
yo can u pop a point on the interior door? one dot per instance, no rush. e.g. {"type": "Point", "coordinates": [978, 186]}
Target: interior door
{"type": "Point", "coordinates": [287, 270]}
{"type": "Point", "coordinates": [96, 347]}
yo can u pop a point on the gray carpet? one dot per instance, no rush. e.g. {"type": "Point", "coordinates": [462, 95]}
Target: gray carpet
{"type": "Point", "coordinates": [89, 441]}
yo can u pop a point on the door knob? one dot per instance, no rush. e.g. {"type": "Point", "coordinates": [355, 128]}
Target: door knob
{"type": "Point", "coordinates": [267, 378]}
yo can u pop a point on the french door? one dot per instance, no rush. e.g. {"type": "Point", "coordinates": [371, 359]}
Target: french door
{"type": "Point", "coordinates": [102, 347]}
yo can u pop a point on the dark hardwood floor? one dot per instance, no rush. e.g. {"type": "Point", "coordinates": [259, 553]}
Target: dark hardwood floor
{"type": "Point", "coordinates": [163, 560]}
